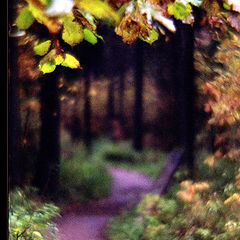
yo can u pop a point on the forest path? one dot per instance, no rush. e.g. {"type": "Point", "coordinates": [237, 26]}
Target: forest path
{"type": "Point", "coordinates": [86, 222]}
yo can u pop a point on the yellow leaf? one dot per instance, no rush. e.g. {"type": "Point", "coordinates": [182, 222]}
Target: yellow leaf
{"type": "Point", "coordinates": [70, 61]}
{"type": "Point", "coordinates": [58, 59]}
{"type": "Point", "coordinates": [98, 9]}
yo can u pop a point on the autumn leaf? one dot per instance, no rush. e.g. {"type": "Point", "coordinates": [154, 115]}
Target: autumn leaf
{"type": "Point", "coordinates": [58, 59]}
{"type": "Point", "coordinates": [98, 9]}
{"type": "Point", "coordinates": [53, 24]}
{"type": "Point", "coordinates": [70, 61]}
{"type": "Point", "coordinates": [72, 31]}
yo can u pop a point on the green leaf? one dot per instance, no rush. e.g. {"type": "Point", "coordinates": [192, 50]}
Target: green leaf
{"type": "Point", "coordinates": [47, 67]}
{"type": "Point", "coordinates": [70, 61]}
{"type": "Point", "coordinates": [152, 37]}
{"type": "Point", "coordinates": [42, 48]}
{"type": "Point", "coordinates": [89, 36]}
{"type": "Point", "coordinates": [179, 10]}
{"type": "Point", "coordinates": [58, 59]}
{"type": "Point", "coordinates": [72, 31]}
{"type": "Point", "coordinates": [25, 19]}
{"type": "Point", "coordinates": [226, 6]}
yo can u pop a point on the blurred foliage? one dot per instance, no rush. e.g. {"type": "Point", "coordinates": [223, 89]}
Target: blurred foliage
{"type": "Point", "coordinates": [122, 154]}
{"type": "Point", "coordinates": [218, 71]}
{"type": "Point", "coordinates": [144, 19]}
{"type": "Point", "coordinates": [82, 179]}
{"type": "Point", "coordinates": [30, 219]}
{"type": "Point", "coordinates": [115, 153]}
{"type": "Point", "coordinates": [204, 209]}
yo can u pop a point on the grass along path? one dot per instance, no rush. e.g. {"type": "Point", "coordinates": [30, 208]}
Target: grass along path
{"type": "Point", "coordinates": [87, 222]}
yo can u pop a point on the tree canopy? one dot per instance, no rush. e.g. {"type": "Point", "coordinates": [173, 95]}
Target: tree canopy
{"type": "Point", "coordinates": [74, 21]}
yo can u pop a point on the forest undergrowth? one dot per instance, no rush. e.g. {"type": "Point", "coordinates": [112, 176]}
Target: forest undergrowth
{"type": "Point", "coordinates": [204, 208]}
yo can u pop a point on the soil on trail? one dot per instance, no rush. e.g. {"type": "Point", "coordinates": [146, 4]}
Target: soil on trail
{"type": "Point", "coordinates": [87, 222]}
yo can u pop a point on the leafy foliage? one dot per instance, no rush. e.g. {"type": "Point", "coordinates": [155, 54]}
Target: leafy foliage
{"type": "Point", "coordinates": [42, 48]}
{"type": "Point", "coordinates": [70, 61]}
{"type": "Point", "coordinates": [144, 19]}
{"type": "Point", "coordinates": [84, 180]}
{"type": "Point", "coordinates": [72, 31]}
{"type": "Point", "coordinates": [89, 36]}
{"type": "Point", "coordinates": [52, 24]}
{"type": "Point", "coordinates": [205, 209]}
{"type": "Point", "coordinates": [48, 67]}
{"type": "Point", "coordinates": [123, 155]}
{"type": "Point", "coordinates": [30, 220]}
{"type": "Point", "coordinates": [218, 82]}
{"type": "Point", "coordinates": [179, 10]}
{"type": "Point", "coordinates": [24, 19]}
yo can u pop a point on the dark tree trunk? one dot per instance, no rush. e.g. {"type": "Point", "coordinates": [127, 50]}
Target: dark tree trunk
{"type": "Point", "coordinates": [110, 108]}
{"type": "Point", "coordinates": [138, 105]}
{"type": "Point", "coordinates": [47, 169]}
{"type": "Point", "coordinates": [186, 90]}
{"type": "Point", "coordinates": [14, 127]}
{"type": "Point", "coordinates": [87, 112]}
{"type": "Point", "coordinates": [121, 95]}
{"type": "Point", "coordinates": [75, 126]}
{"type": "Point", "coordinates": [162, 182]}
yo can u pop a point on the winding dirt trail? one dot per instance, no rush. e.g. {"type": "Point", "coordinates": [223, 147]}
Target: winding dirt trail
{"type": "Point", "coordinates": [87, 222]}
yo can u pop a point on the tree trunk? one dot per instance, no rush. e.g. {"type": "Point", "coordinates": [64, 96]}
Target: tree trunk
{"type": "Point", "coordinates": [121, 96]}
{"type": "Point", "coordinates": [14, 127]}
{"type": "Point", "coordinates": [87, 112]}
{"type": "Point", "coordinates": [138, 105]}
{"type": "Point", "coordinates": [75, 126]}
{"type": "Point", "coordinates": [161, 184]}
{"type": "Point", "coordinates": [110, 109]}
{"type": "Point", "coordinates": [186, 90]}
{"type": "Point", "coordinates": [47, 169]}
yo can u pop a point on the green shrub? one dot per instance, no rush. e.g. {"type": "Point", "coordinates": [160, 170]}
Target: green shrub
{"type": "Point", "coordinates": [125, 227]}
{"type": "Point", "coordinates": [29, 219]}
{"type": "Point", "coordinates": [122, 154]}
{"type": "Point", "coordinates": [84, 179]}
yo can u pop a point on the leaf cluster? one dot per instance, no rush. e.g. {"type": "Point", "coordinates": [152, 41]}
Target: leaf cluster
{"type": "Point", "coordinates": [218, 82]}
{"type": "Point", "coordinates": [77, 20]}
{"type": "Point", "coordinates": [204, 209]}
{"type": "Point", "coordinates": [29, 219]}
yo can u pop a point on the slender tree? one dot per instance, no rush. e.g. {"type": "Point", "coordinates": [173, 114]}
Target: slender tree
{"type": "Point", "coordinates": [110, 107]}
{"type": "Point", "coordinates": [121, 97]}
{"type": "Point", "coordinates": [47, 169]}
{"type": "Point", "coordinates": [14, 123]}
{"type": "Point", "coordinates": [185, 89]}
{"type": "Point", "coordinates": [138, 105]}
{"type": "Point", "coordinates": [87, 111]}
{"type": "Point", "coordinates": [14, 128]}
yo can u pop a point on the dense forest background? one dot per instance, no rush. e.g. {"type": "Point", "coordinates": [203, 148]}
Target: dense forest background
{"type": "Point", "coordinates": [157, 100]}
